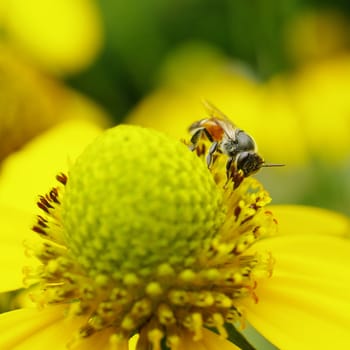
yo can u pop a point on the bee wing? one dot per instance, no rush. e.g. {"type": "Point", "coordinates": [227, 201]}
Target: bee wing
{"type": "Point", "coordinates": [215, 112]}
{"type": "Point", "coordinates": [221, 119]}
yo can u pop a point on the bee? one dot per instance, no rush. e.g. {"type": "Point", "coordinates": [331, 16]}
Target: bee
{"type": "Point", "coordinates": [228, 139]}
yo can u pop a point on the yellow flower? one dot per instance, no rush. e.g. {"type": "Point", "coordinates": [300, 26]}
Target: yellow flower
{"type": "Point", "coordinates": [140, 241]}
{"type": "Point", "coordinates": [31, 103]}
{"type": "Point", "coordinates": [316, 34]}
{"type": "Point", "coordinates": [61, 36]}
{"type": "Point", "coordinates": [321, 91]}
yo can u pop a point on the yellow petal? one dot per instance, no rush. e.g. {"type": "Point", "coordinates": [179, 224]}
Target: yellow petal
{"type": "Point", "coordinates": [210, 341]}
{"type": "Point", "coordinates": [21, 324]}
{"type": "Point", "coordinates": [32, 170]}
{"type": "Point", "coordinates": [304, 220]}
{"type": "Point", "coordinates": [28, 329]}
{"type": "Point", "coordinates": [12, 261]}
{"type": "Point", "coordinates": [306, 304]}
{"type": "Point", "coordinates": [15, 226]}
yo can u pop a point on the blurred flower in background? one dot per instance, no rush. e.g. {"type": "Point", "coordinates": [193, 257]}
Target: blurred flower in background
{"type": "Point", "coordinates": [62, 37]}
{"type": "Point", "coordinates": [31, 102]}
{"type": "Point", "coordinates": [37, 40]}
{"type": "Point", "coordinates": [315, 34]}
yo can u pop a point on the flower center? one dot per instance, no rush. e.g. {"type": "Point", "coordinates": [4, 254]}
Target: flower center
{"type": "Point", "coordinates": [136, 200]}
{"type": "Point", "coordinates": [142, 238]}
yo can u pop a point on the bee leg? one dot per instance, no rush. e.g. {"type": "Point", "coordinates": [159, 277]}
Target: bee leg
{"type": "Point", "coordinates": [211, 152]}
{"type": "Point", "coordinates": [228, 169]}
{"type": "Point", "coordinates": [197, 135]}
{"type": "Point", "coordinates": [195, 138]}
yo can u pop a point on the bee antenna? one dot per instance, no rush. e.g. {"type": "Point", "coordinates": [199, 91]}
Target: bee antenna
{"type": "Point", "coordinates": [267, 165]}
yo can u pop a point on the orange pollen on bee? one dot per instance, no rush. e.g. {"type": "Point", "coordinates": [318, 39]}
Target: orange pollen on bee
{"type": "Point", "coordinates": [215, 130]}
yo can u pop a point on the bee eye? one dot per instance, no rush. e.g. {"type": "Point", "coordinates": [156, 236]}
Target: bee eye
{"type": "Point", "coordinates": [245, 141]}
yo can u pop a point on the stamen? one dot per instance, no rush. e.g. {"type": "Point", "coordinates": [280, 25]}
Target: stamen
{"type": "Point", "coordinates": [155, 336]}
{"type": "Point", "coordinates": [118, 342]}
{"type": "Point", "coordinates": [62, 178]}
{"type": "Point", "coordinates": [218, 322]}
{"type": "Point", "coordinates": [166, 315]}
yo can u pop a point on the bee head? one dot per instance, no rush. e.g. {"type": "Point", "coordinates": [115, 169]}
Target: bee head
{"type": "Point", "coordinates": [249, 162]}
